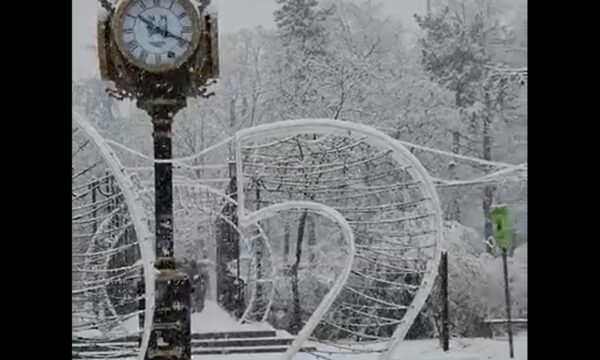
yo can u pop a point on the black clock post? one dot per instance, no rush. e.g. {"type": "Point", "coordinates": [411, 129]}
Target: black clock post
{"type": "Point", "coordinates": [182, 65]}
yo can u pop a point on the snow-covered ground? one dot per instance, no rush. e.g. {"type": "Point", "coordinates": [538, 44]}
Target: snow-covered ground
{"type": "Point", "coordinates": [476, 349]}
{"type": "Point", "coordinates": [460, 349]}
{"type": "Point", "coordinates": [214, 319]}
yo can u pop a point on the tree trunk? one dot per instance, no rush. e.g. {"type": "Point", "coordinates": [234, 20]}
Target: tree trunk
{"type": "Point", "coordinates": [445, 303]}
{"type": "Point", "coordinates": [488, 190]}
{"type": "Point", "coordinates": [202, 160]}
{"type": "Point", "coordinates": [296, 324]}
{"type": "Point", "coordinates": [286, 242]}
{"type": "Point", "coordinates": [312, 238]}
{"type": "Point", "coordinates": [454, 210]}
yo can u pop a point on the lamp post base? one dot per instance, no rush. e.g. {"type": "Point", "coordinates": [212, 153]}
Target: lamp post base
{"type": "Point", "coordinates": [171, 331]}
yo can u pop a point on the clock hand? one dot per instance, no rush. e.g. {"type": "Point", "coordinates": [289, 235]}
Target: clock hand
{"type": "Point", "coordinates": [166, 32]}
{"type": "Point", "coordinates": [145, 21]}
{"type": "Point", "coordinates": [149, 23]}
{"type": "Point", "coordinates": [169, 34]}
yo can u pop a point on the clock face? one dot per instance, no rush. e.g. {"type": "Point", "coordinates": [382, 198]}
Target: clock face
{"type": "Point", "coordinates": [156, 35]}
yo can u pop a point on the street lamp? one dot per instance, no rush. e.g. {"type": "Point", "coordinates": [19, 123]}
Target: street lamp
{"type": "Point", "coordinates": [158, 53]}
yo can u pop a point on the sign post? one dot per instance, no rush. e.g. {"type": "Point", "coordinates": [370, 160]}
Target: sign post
{"type": "Point", "coordinates": [499, 217]}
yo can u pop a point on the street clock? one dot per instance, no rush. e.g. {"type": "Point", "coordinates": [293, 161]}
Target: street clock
{"type": "Point", "coordinates": [157, 35]}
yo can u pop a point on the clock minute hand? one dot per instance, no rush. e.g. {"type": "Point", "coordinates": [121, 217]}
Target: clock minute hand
{"type": "Point", "coordinates": [166, 32]}
{"type": "Point", "coordinates": [149, 23]}
{"type": "Point", "coordinates": [169, 34]}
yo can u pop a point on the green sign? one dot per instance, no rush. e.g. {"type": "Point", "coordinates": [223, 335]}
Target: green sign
{"type": "Point", "coordinates": [499, 217]}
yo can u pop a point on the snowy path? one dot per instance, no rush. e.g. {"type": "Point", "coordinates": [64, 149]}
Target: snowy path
{"type": "Point", "coordinates": [214, 319]}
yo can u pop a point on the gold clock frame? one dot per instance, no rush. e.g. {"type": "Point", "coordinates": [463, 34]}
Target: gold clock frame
{"type": "Point", "coordinates": [116, 26]}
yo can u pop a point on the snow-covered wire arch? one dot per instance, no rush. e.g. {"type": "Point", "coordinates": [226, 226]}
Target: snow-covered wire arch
{"type": "Point", "coordinates": [95, 242]}
{"type": "Point", "coordinates": [196, 197]}
{"type": "Point", "coordinates": [379, 188]}
{"type": "Point", "coordinates": [384, 193]}
{"type": "Point", "coordinates": [348, 238]}
{"type": "Point", "coordinates": [195, 202]}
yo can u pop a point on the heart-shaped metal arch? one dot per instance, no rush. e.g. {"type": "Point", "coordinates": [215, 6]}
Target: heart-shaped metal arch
{"type": "Point", "coordinates": [136, 212]}
{"type": "Point", "coordinates": [373, 137]}
{"type": "Point", "coordinates": [327, 301]}
{"type": "Point", "coordinates": [245, 240]}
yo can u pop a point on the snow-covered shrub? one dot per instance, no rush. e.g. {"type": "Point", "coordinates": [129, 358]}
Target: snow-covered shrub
{"type": "Point", "coordinates": [517, 279]}
{"type": "Point", "coordinates": [466, 279]}
{"type": "Point", "coordinates": [476, 286]}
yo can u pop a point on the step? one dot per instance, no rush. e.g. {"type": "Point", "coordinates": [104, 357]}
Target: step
{"type": "Point", "coordinates": [208, 343]}
{"type": "Point", "coordinates": [92, 341]}
{"type": "Point", "coordinates": [246, 350]}
{"type": "Point", "coordinates": [103, 347]}
{"type": "Point", "coordinates": [196, 336]}
{"type": "Point", "coordinates": [242, 342]}
{"type": "Point", "coordinates": [234, 334]}
{"type": "Point", "coordinates": [103, 355]}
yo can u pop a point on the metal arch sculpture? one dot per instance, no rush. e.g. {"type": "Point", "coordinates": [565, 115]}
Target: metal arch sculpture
{"type": "Point", "coordinates": [96, 242]}
{"type": "Point", "coordinates": [381, 191]}
{"type": "Point", "coordinates": [191, 199]}
{"type": "Point", "coordinates": [251, 223]}
{"type": "Point", "coordinates": [393, 210]}
{"type": "Point", "coordinates": [191, 203]}
{"type": "Point", "coordinates": [348, 238]}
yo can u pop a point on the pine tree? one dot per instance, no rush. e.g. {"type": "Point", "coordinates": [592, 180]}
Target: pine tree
{"type": "Point", "coordinates": [453, 53]}
{"type": "Point", "coordinates": [301, 23]}
{"type": "Point", "coordinates": [456, 52]}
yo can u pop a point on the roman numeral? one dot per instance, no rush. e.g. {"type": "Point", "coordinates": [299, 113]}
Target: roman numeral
{"type": "Point", "coordinates": [187, 29]}
{"type": "Point", "coordinates": [182, 15]}
{"type": "Point", "coordinates": [172, 3]}
{"type": "Point", "coordinates": [128, 31]}
{"type": "Point", "coordinates": [182, 43]}
{"type": "Point", "coordinates": [132, 45]}
{"type": "Point", "coordinates": [143, 6]}
{"type": "Point", "coordinates": [143, 55]}
{"type": "Point", "coordinates": [158, 58]}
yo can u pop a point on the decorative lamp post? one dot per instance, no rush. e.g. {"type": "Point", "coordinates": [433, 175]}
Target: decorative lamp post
{"type": "Point", "coordinates": [159, 53]}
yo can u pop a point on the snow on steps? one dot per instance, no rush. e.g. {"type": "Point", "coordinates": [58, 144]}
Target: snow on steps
{"type": "Point", "coordinates": [244, 350]}
{"type": "Point", "coordinates": [214, 333]}
{"type": "Point", "coordinates": [234, 335]}
{"type": "Point", "coordinates": [460, 349]}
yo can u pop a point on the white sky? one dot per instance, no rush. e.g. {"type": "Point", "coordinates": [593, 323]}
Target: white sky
{"type": "Point", "coordinates": [233, 16]}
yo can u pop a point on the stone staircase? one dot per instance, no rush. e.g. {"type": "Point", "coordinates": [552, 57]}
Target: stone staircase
{"type": "Point", "coordinates": [204, 345]}
{"type": "Point", "coordinates": [242, 342]}
{"type": "Point", "coordinates": [214, 334]}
